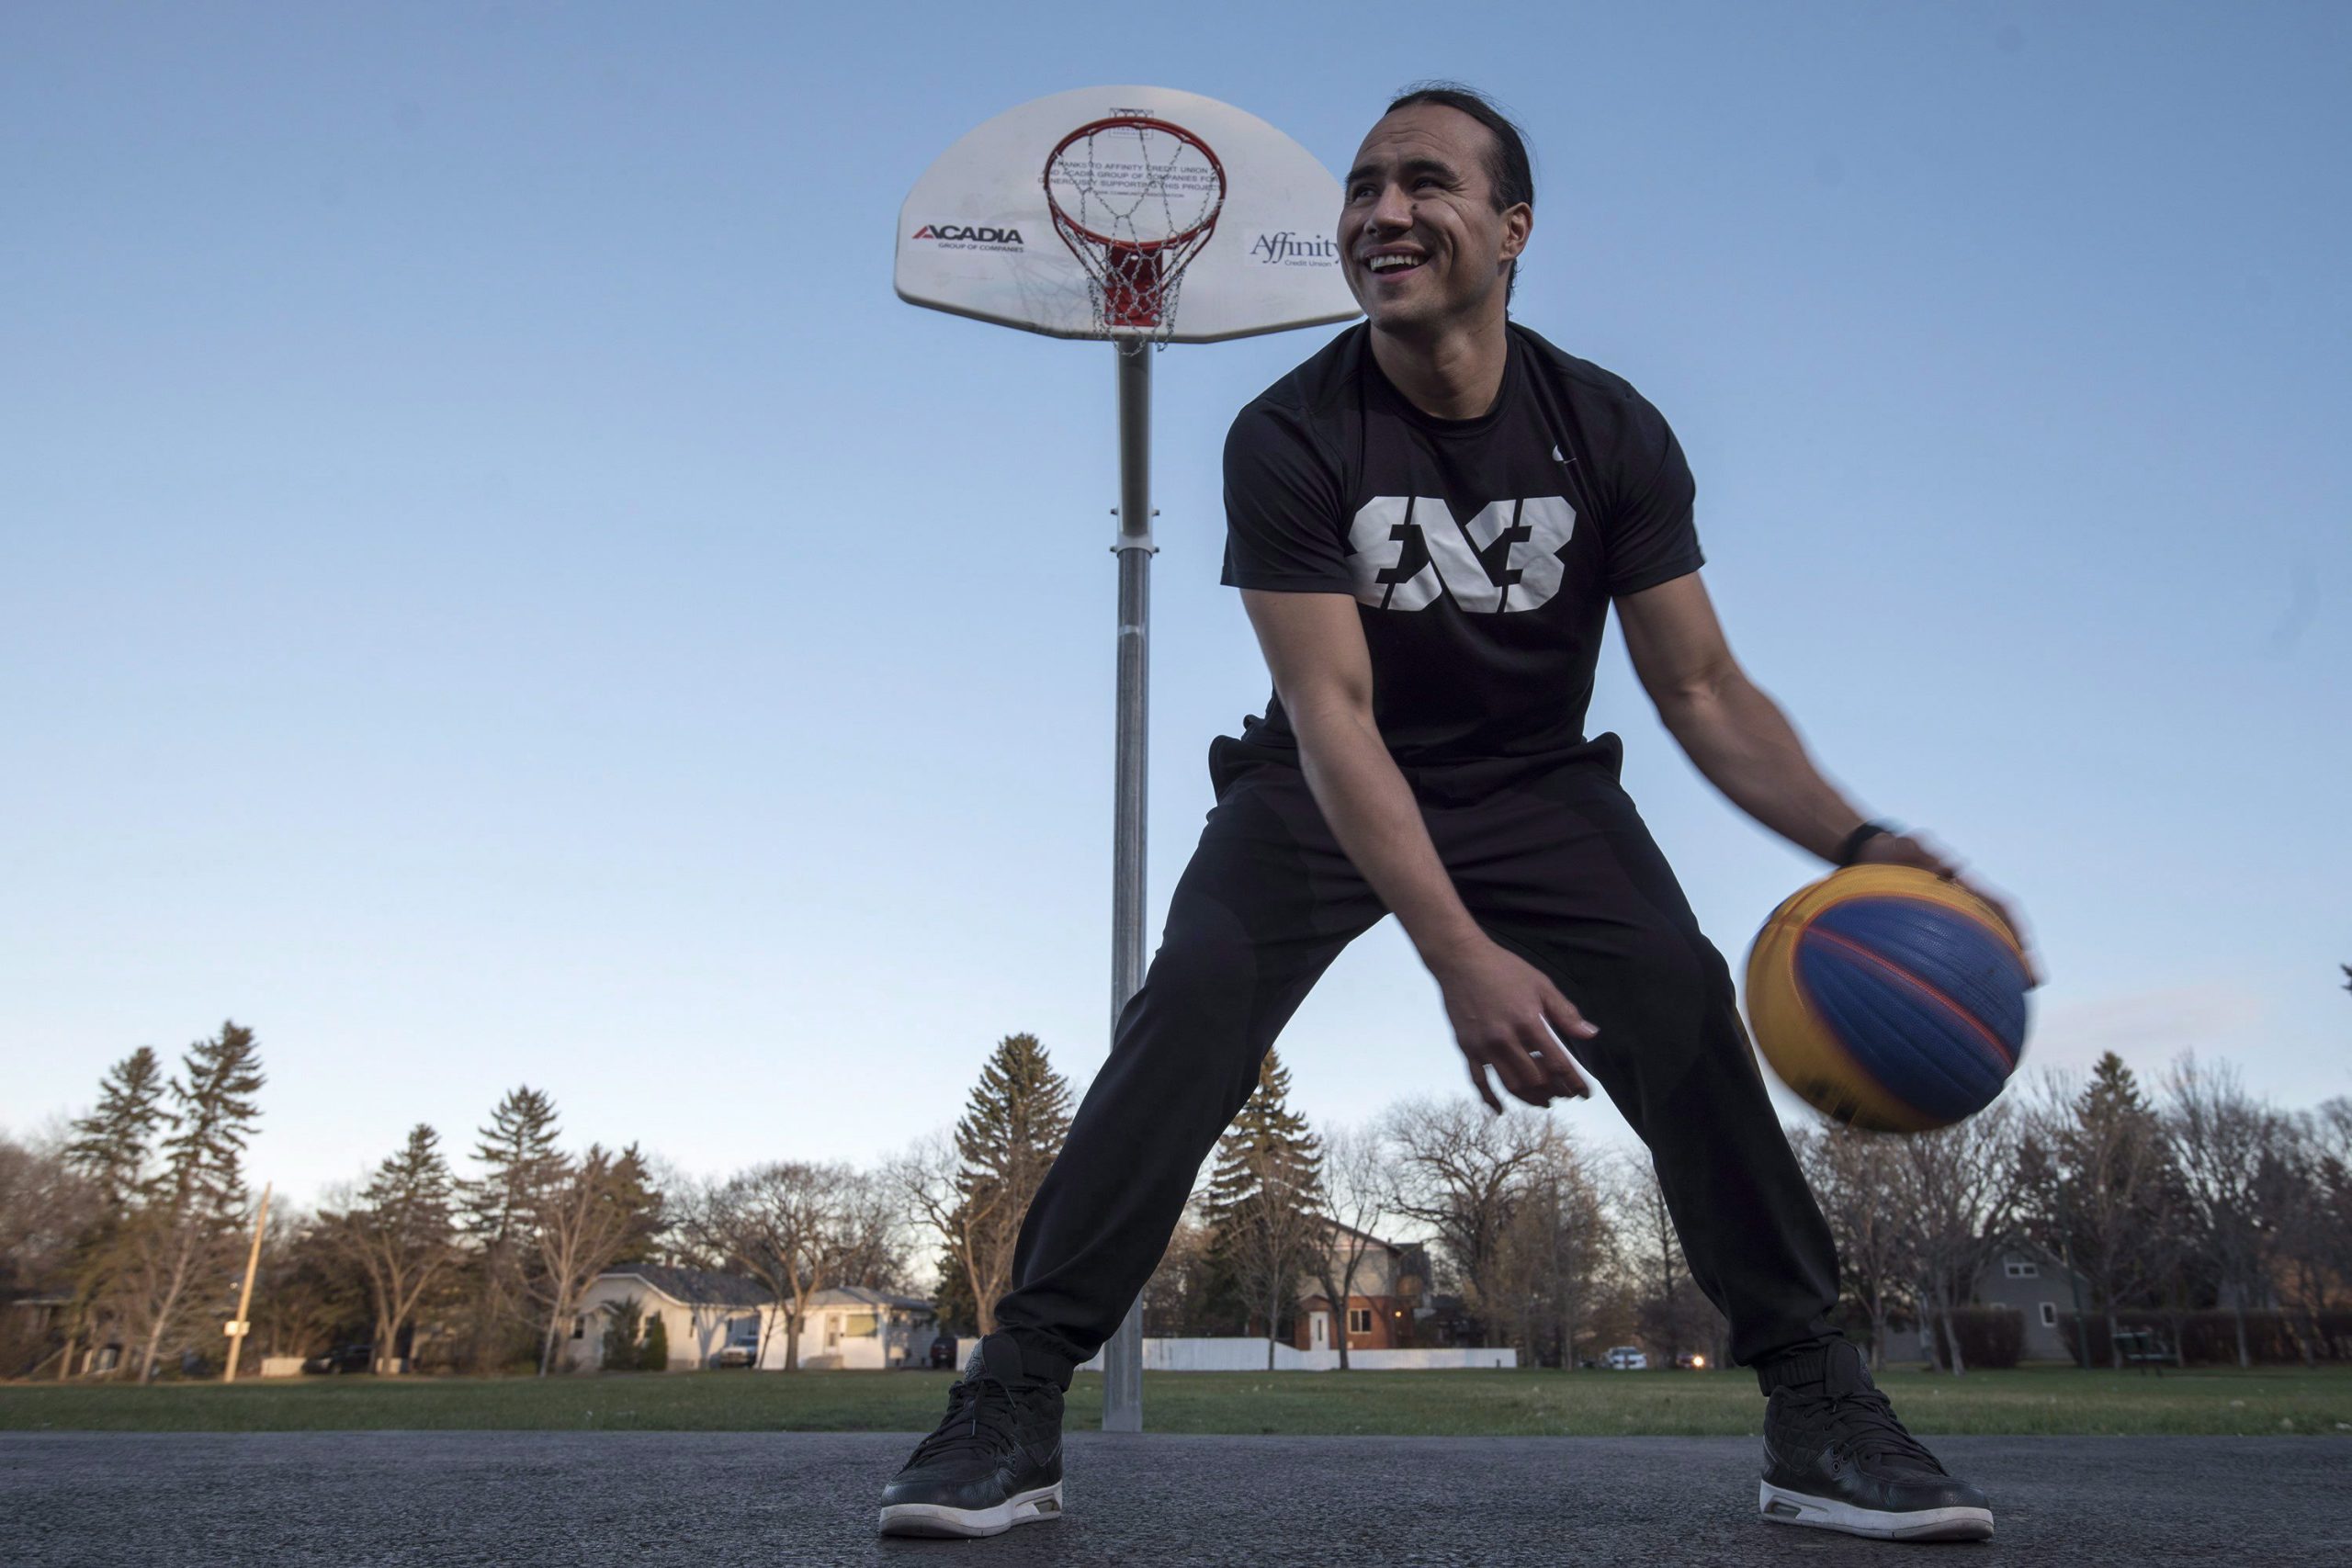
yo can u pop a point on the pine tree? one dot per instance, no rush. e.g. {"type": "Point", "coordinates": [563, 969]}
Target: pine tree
{"type": "Point", "coordinates": [113, 1147]}
{"type": "Point", "coordinates": [2101, 1187]}
{"type": "Point", "coordinates": [520, 1165]}
{"type": "Point", "coordinates": [213, 1113]}
{"type": "Point", "coordinates": [401, 1235]}
{"type": "Point", "coordinates": [603, 1210]}
{"type": "Point", "coordinates": [193, 1205]}
{"type": "Point", "coordinates": [1012, 1127]}
{"type": "Point", "coordinates": [653, 1356]}
{"type": "Point", "coordinates": [1263, 1200]}
{"type": "Point", "coordinates": [112, 1144]}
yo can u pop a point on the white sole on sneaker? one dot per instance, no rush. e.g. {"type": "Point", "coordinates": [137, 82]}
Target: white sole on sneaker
{"type": "Point", "coordinates": [938, 1519]}
{"type": "Point", "coordinates": [1786, 1507]}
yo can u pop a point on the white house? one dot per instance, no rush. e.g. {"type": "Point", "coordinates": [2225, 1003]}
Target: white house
{"type": "Point", "coordinates": [700, 1312]}
{"type": "Point", "coordinates": [851, 1328]}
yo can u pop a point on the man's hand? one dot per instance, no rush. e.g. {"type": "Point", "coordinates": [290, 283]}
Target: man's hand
{"type": "Point", "coordinates": [1910, 849]}
{"type": "Point", "coordinates": [1504, 1014]}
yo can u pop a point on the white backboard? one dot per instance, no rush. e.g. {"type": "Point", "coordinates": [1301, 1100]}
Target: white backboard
{"type": "Point", "coordinates": [976, 237]}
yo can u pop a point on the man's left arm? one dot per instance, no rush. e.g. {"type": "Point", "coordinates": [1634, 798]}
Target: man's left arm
{"type": "Point", "coordinates": [1740, 739]}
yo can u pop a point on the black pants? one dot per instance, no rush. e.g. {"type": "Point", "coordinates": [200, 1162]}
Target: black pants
{"type": "Point", "coordinates": [1555, 864]}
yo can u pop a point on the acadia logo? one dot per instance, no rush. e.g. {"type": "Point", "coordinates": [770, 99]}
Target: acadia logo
{"type": "Point", "coordinates": [1504, 559]}
{"type": "Point", "coordinates": [959, 232]}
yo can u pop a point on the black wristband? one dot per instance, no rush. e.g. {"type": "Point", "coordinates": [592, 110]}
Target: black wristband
{"type": "Point", "coordinates": [1857, 839]}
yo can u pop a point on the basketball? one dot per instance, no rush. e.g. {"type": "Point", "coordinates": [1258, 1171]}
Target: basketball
{"type": "Point", "coordinates": [1889, 997]}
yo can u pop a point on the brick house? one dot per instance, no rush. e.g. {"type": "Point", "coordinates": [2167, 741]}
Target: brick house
{"type": "Point", "coordinates": [1390, 1280]}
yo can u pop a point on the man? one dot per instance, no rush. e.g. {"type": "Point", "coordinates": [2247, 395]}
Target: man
{"type": "Point", "coordinates": [1428, 522]}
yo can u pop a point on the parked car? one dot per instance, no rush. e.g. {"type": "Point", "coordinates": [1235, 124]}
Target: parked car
{"type": "Point", "coordinates": [742, 1349]}
{"type": "Point", "coordinates": [1689, 1362]}
{"type": "Point", "coordinates": [343, 1359]}
{"type": "Point", "coordinates": [1625, 1358]}
{"type": "Point", "coordinates": [942, 1351]}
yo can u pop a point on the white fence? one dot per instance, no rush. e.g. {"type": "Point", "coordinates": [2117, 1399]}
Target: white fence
{"type": "Point", "coordinates": [1250, 1356]}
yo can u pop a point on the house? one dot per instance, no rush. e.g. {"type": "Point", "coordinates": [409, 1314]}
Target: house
{"type": "Point", "coordinates": [2036, 1284]}
{"type": "Point", "coordinates": [1379, 1312]}
{"type": "Point", "coordinates": [851, 1327]}
{"type": "Point", "coordinates": [700, 1310]}
{"type": "Point", "coordinates": [2040, 1288]}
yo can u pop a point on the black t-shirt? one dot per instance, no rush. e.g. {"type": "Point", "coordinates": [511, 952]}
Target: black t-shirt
{"type": "Point", "coordinates": [1482, 552]}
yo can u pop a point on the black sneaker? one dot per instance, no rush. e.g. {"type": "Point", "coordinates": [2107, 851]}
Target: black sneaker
{"type": "Point", "coordinates": [995, 1462]}
{"type": "Point", "coordinates": [1836, 1457]}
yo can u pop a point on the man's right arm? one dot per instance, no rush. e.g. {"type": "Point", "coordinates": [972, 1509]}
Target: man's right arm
{"type": "Point", "coordinates": [1503, 1010]}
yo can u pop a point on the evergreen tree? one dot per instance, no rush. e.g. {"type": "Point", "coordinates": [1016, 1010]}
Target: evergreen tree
{"type": "Point", "coordinates": [520, 1161]}
{"type": "Point", "coordinates": [604, 1210]}
{"type": "Point", "coordinates": [401, 1235]}
{"type": "Point", "coordinates": [112, 1144]}
{"type": "Point", "coordinates": [654, 1355]}
{"type": "Point", "coordinates": [520, 1165]}
{"type": "Point", "coordinates": [213, 1113]}
{"type": "Point", "coordinates": [1263, 1200]}
{"type": "Point", "coordinates": [2100, 1187]}
{"type": "Point", "coordinates": [1013, 1126]}
{"type": "Point", "coordinates": [624, 1319]}
{"type": "Point", "coordinates": [193, 1206]}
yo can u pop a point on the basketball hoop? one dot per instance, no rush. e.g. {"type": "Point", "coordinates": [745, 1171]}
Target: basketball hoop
{"type": "Point", "coordinates": [1135, 198]}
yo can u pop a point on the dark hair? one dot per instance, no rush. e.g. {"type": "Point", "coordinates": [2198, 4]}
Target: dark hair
{"type": "Point", "coordinates": [1509, 174]}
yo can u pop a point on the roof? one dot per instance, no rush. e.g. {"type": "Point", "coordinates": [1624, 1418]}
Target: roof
{"type": "Point", "coordinates": [1351, 1230]}
{"type": "Point", "coordinates": [693, 1287]}
{"type": "Point", "coordinates": [861, 1295]}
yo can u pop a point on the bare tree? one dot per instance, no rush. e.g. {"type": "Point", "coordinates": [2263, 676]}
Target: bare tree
{"type": "Point", "coordinates": [400, 1234]}
{"type": "Point", "coordinates": [2223, 1140]}
{"type": "Point", "coordinates": [46, 1204]}
{"type": "Point", "coordinates": [1359, 1194]}
{"type": "Point", "coordinates": [798, 1228]}
{"type": "Point", "coordinates": [1673, 1313]}
{"type": "Point", "coordinates": [1960, 1195]}
{"type": "Point", "coordinates": [594, 1214]}
{"type": "Point", "coordinates": [1554, 1248]}
{"type": "Point", "coordinates": [1458, 1169]}
{"type": "Point", "coordinates": [1857, 1178]}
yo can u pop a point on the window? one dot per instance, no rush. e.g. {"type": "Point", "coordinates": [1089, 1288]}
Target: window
{"type": "Point", "coordinates": [860, 1325]}
{"type": "Point", "coordinates": [2017, 1270]}
{"type": "Point", "coordinates": [580, 1325]}
{"type": "Point", "coordinates": [1359, 1320]}
{"type": "Point", "coordinates": [2049, 1314]}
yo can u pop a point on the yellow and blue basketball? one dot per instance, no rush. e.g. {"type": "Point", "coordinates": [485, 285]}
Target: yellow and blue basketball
{"type": "Point", "coordinates": [1889, 997]}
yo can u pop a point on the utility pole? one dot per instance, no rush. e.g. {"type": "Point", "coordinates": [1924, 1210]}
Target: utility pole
{"type": "Point", "coordinates": [238, 1329]}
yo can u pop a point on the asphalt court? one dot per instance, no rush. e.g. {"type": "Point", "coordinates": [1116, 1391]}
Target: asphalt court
{"type": "Point", "coordinates": [364, 1498]}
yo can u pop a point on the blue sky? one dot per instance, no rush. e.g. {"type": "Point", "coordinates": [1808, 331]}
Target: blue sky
{"type": "Point", "coordinates": [495, 589]}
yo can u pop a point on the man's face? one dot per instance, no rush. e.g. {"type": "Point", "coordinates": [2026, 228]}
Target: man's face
{"type": "Point", "coordinates": [1419, 237]}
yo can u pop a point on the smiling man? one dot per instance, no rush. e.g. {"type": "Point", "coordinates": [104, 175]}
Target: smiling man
{"type": "Point", "coordinates": [1428, 521]}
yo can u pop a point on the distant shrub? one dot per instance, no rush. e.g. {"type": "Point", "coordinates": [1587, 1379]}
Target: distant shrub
{"type": "Point", "coordinates": [653, 1356]}
{"type": "Point", "coordinates": [621, 1336]}
{"type": "Point", "coordinates": [2210, 1339]}
{"type": "Point", "coordinates": [1990, 1337]}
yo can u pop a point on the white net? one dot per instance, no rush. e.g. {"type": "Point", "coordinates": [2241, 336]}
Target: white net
{"type": "Point", "coordinates": [1135, 200]}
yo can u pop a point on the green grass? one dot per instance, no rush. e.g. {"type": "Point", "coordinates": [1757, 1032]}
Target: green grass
{"type": "Point", "coordinates": [2036, 1400]}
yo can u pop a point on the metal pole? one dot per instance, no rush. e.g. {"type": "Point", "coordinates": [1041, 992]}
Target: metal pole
{"type": "Point", "coordinates": [238, 1329]}
{"type": "Point", "coordinates": [1123, 1356]}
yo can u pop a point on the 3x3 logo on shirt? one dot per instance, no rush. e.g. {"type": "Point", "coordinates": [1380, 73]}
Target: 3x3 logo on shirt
{"type": "Point", "coordinates": [1504, 559]}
